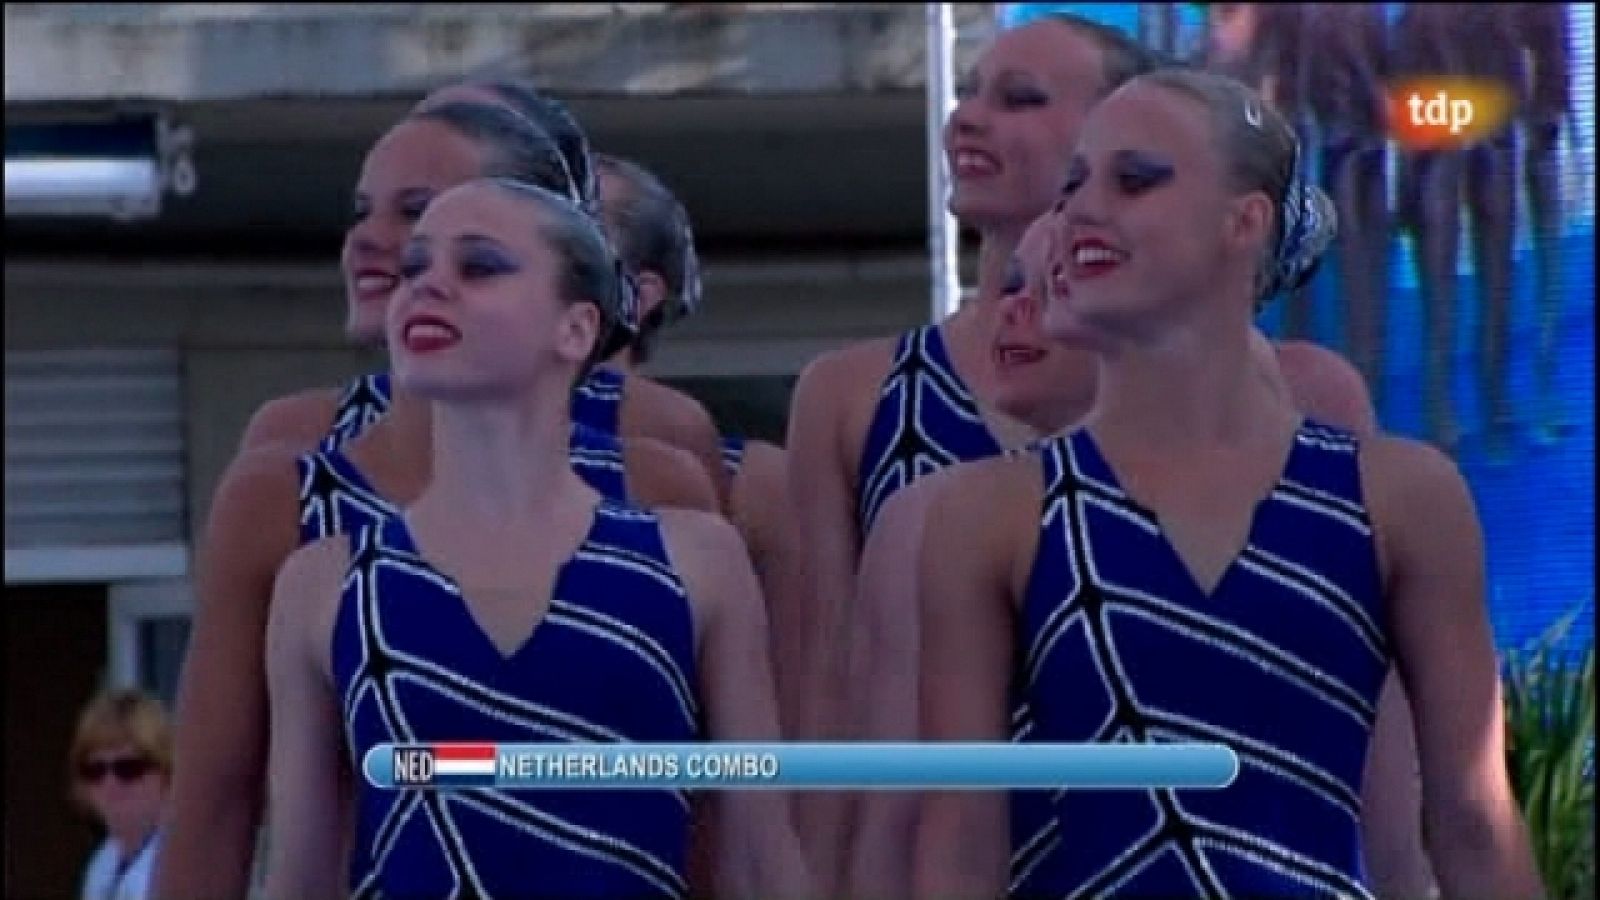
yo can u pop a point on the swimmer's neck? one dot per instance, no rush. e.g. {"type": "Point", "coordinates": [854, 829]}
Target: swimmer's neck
{"type": "Point", "coordinates": [622, 361]}
{"type": "Point", "coordinates": [973, 322]}
{"type": "Point", "coordinates": [502, 460]}
{"type": "Point", "coordinates": [968, 331]}
{"type": "Point", "coordinates": [403, 437]}
{"type": "Point", "coordinates": [1195, 387]}
{"type": "Point", "coordinates": [994, 259]}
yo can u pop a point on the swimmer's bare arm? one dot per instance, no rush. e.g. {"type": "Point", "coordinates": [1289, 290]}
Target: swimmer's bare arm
{"type": "Point", "coordinates": [221, 725]}
{"type": "Point", "coordinates": [1391, 802]}
{"type": "Point", "coordinates": [1326, 387]}
{"type": "Point", "coordinates": [967, 579]}
{"type": "Point", "coordinates": [308, 786]}
{"type": "Point", "coordinates": [653, 410]}
{"type": "Point", "coordinates": [1432, 548]}
{"type": "Point", "coordinates": [883, 675]}
{"type": "Point", "coordinates": [825, 512]}
{"type": "Point", "coordinates": [760, 508]}
{"type": "Point", "coordinates": [759, 853]}
{"type": "Point", "coordinates": [758, 501]}
{"type": "Point", "coordinates": [297, 421]}
{"type": "Point", "coordinates": [661, 475]}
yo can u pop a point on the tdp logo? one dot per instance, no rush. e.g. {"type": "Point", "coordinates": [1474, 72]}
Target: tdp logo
{"type": "Point", "coordinates": [1439, 113]}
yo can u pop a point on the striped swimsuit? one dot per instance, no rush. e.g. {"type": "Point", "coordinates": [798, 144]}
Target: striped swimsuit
{"type": "Point", "coordinates": [612, 661]}
{"type": "Point", "coordinates": [926, 419]}
{"type": "Point", "coordinates": [597, 400]}
{"type": "Point", "coordinates": [1113, 632]}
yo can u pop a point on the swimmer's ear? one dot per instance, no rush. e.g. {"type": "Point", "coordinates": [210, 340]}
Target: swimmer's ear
{"type": "Point", "coordinates": [577, 332]}
{"type": "Point", "coordinates": [1250, 222]}
{"type": "Point", "coordinates": [652, 292]}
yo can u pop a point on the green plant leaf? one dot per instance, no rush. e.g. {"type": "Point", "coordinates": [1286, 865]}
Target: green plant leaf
{"type": "Point", "coordinates": [1549, 719]}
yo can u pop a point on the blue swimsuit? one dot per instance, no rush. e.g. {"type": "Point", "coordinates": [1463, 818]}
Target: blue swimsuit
{"type": "Point", "coordinates": [364, 401]}
{"type": "Point", "coordinates": [597, 400]}
{"type": "Point", "coordinates": [613, 660]}
{"type": "Point", "coordinates": [926, 419]}
{"type": "Point", "coordinates": [1283, 662]}
{"type": "Point", "coordinates": [732, 454]}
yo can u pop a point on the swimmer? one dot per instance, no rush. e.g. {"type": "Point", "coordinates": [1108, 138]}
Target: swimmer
{"type": "Point", "coordinates": [1119, 554]}
{"type": "Point", "coordinates": [869, 419]}
{"type": "Point", "coordinates": [272, 498]}
{"type": "Point", "coordinates": [510, 602]}
{"type": "Point", "coordinates": [614, 398]}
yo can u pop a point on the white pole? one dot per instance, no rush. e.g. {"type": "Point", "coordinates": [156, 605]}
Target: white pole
{"type": "Point", "coordinates": [943, 234]}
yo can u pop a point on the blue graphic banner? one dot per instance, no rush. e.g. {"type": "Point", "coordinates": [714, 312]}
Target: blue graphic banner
{"type": "Point", "coordinates": [728, 766]}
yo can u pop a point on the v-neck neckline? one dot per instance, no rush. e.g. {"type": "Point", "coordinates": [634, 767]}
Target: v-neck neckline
{"type": "Point", "coordinates": [1174, 557]}
{"type": "Point", "coordinates": [938, 353]}
{"type": "Point", "coordinates": [557, 586]}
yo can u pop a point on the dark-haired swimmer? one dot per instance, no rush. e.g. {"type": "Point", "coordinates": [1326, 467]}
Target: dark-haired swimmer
{"type": "Point", "coordinates": [651, 230]}
{"type": "Point", "coordinates": [274, 496]}
{"type": "Point", "coordinates": [615, 397]}
{"type": "Point", "coordinates": [509, 602]}
{"type": "Point", "coordinates": [871, 418]}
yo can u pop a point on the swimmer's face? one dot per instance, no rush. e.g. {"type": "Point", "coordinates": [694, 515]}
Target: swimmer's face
{"type": "Point", "coordinates": [1016, 118]}
{"type": "Point", "coordinates": [480, 313]}
{"type": "Point", "coordinates": [1037, 380]}
{"type": "Point", "coordinates": [403, 171]}
{"type": "Point", "coordinates": [1146, 218]}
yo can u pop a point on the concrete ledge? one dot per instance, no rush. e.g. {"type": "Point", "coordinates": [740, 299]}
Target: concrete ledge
{"type": "Point", "coordinates": [188, 52]}
{"type": "Point", "coordinates": [91, 563]}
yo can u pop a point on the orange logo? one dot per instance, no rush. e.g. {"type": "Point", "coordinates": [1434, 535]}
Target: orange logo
{"type": "Point", "coordinates": [1436, 113]}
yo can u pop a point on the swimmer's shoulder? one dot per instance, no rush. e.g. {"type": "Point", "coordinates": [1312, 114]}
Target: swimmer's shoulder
{"type": "Point", "coordinates": [1327, 387]}
{"type": "Point", "coordinates": [711, 560]}
{"type": "Point", "coordinates": [305, 597]}
{"type": "Point", "coordinates": [299, 420]}
{"type": "Point", "coordinates": [843, 385]}
{"type": "Point", "coordinates": [660, 474]}
{"type": "Point", "coordinates": [1411, 490]}
{"type": "Point", "coordinates": [674, 415]}
{"type": "Point", "coordinates": [863, 362]}
{"type": "Point", "coordinates": [253, 519]}
{"type": "Point", "coordinates": [655, 410]}
{"type": "Point", "coordinates": [761, 470]}
{"type": "Point", "coordinates": [261, 482]}
{"type": "Point", "coordinates": [759, 494]}
{"type": "Point", "coordinates": [984, 512]}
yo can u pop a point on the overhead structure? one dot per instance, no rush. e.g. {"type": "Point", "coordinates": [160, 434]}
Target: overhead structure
{"type": "Point", "coordinates": [114, 168]}
{"type": "Point", "coordinates": [944, 236]}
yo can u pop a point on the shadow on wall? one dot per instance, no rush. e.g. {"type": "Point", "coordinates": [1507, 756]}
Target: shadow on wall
{"type": "Point", "coordinates": [753, 407]}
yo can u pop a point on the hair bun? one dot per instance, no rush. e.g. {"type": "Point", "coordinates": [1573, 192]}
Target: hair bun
{"type": "Point", "coordinates": [622, 324]}
{"type": "Point", "coordinates": [627, 297]}
{"type": "Point", "coordinates": [689, 295]}
{"type": "Point", "coordinates": [1309, 225]}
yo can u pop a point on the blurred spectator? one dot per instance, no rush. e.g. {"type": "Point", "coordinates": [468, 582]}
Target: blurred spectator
{"type": "Point", "coordinates": [121, 762]}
